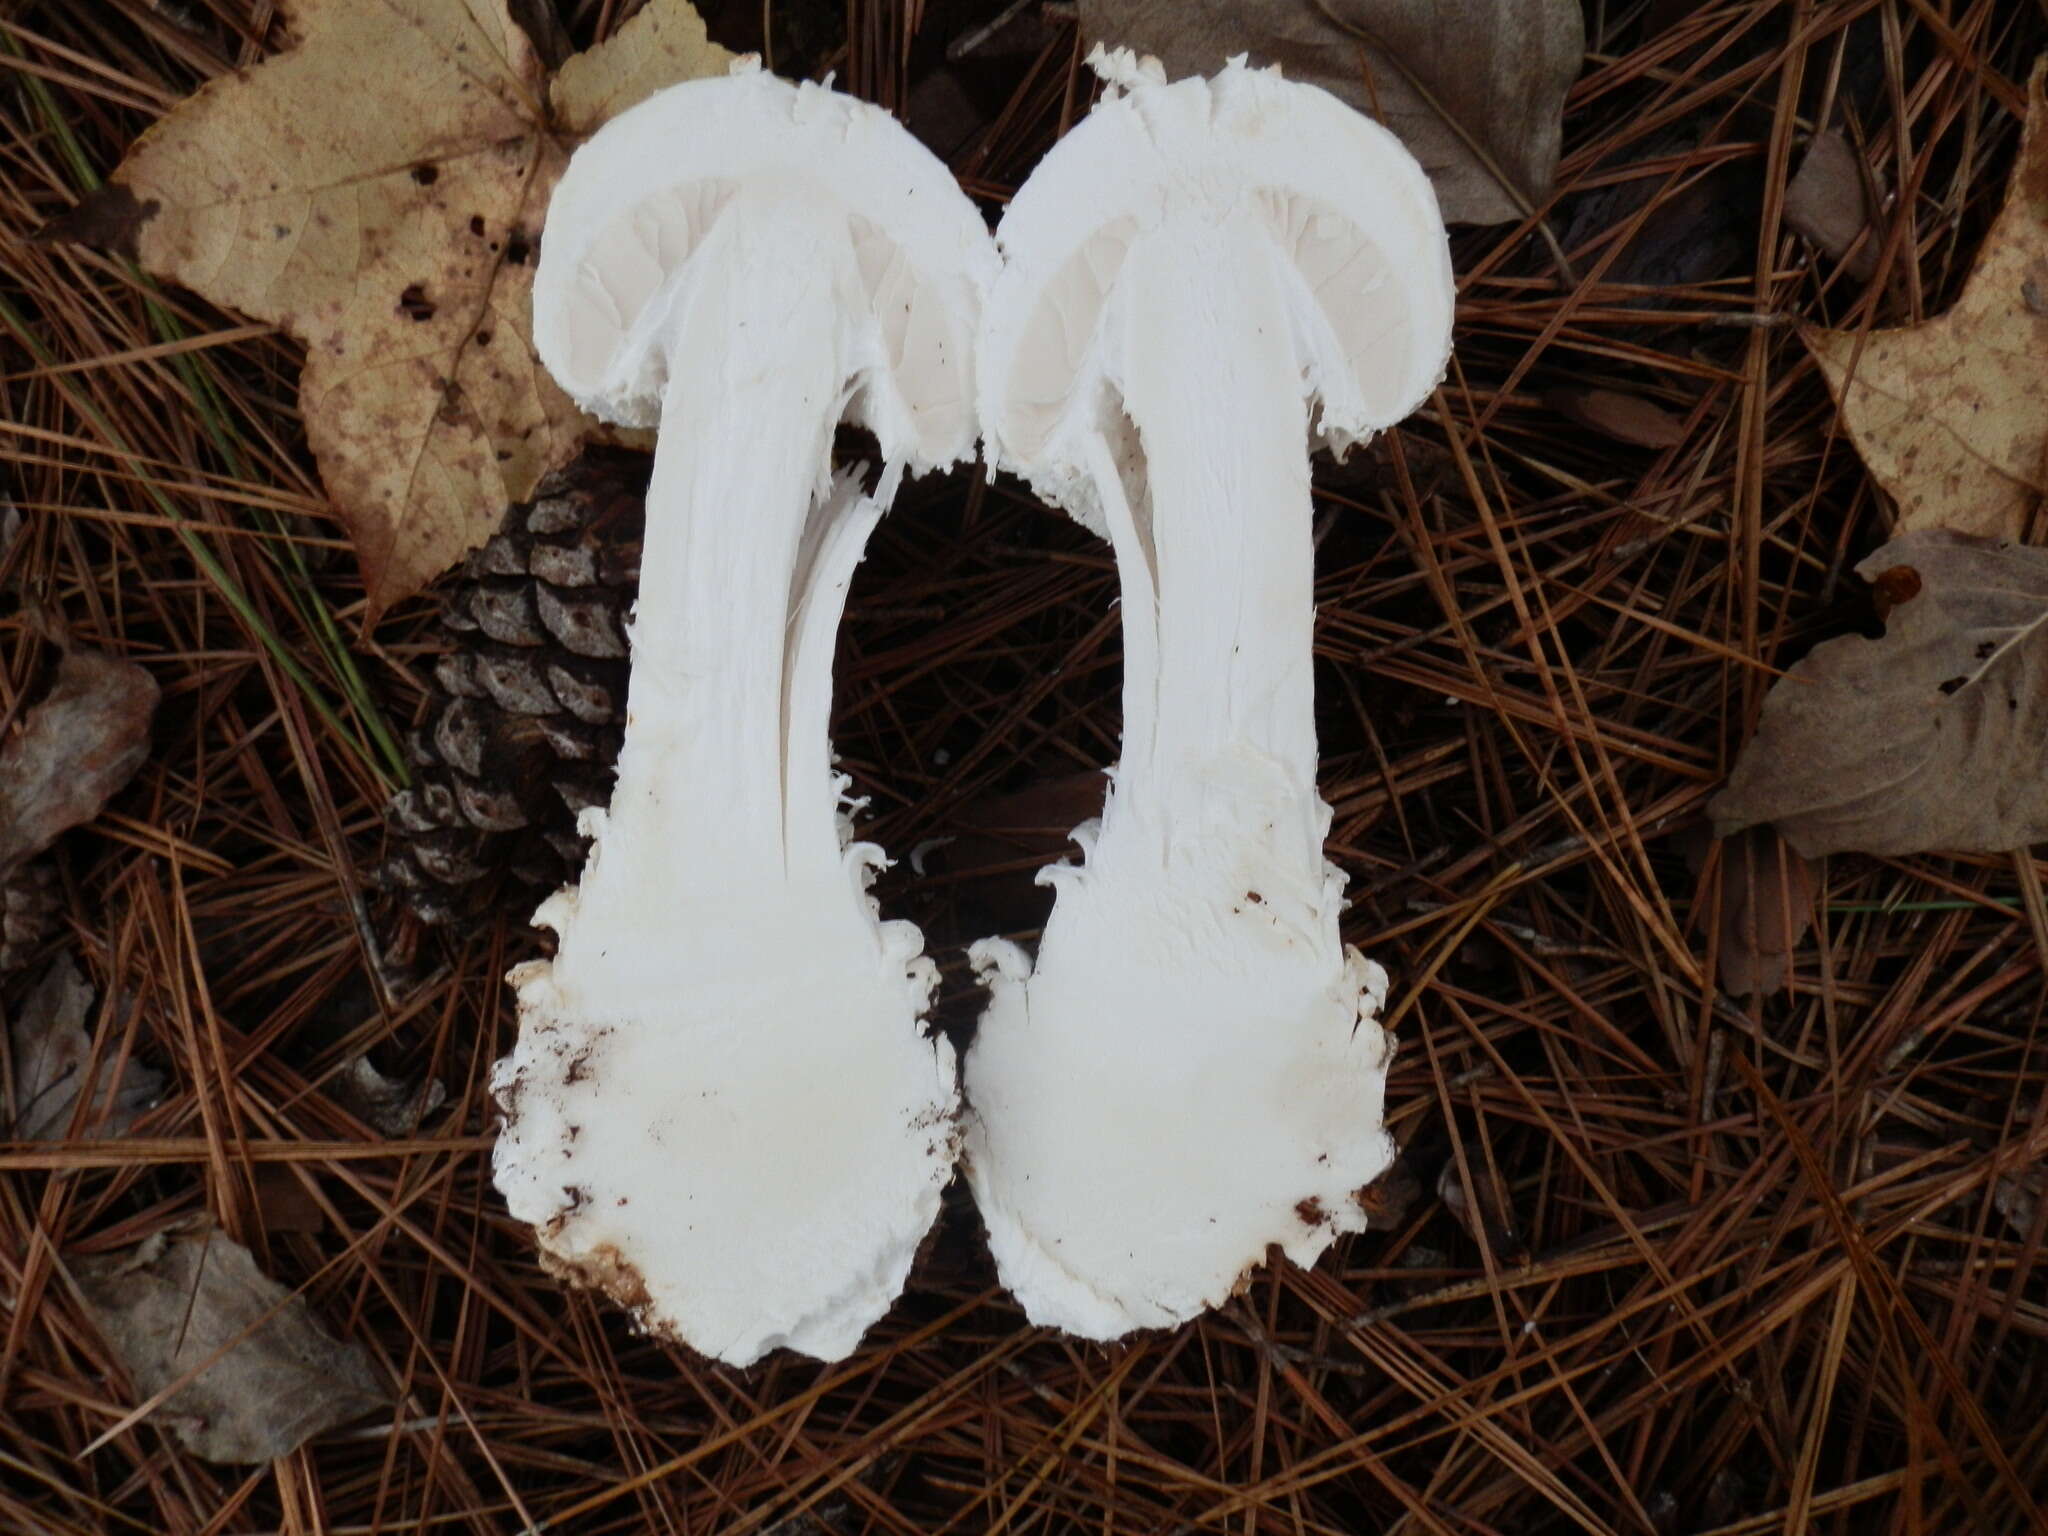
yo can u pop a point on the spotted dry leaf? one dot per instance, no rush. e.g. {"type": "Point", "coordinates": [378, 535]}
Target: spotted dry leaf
{"type": "Point", "coordinates": [1928, 739]}
{"type": "Point", "coordinates": [1951, 415]}
{"type": "Point", "coordinates": [378, 190]}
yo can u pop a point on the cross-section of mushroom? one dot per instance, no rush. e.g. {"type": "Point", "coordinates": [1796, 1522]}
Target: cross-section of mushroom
{"type": "Point", "coordinates": [1192, 1069]}
{"type": "Point", "coordinates": [723, 1107]}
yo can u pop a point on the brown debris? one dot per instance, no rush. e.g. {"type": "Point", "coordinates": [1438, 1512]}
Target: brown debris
{"type": "Point", "coordinates": [603, 1269]}
{"type": "Point", "coordinates": [1481, 1208]}
{"type": "Point", "coordinates": [1765, 901]}
{"type": "Point", "coordinates": [1473, 87]}
{"type": "Point", "coordinates": [1951, 414]}
{"type": "Point", "coordinates": [1829, 203]}
{"type": "Point", "coordinates": [74, 750]}
{"type": "Point", "coordinates": [993, 848]}
{"type": "Point", "coordinates": [284, 1204]}
{"type": "Point", "coordinates": [264, 1377]}
{"type": "Point", "coordinates": [55, 1064]}
{"type": "Point", "coordinates": [28, 909]}
{"type": "Point", "coordinates": [1625, 418]}
{"type": "Point", "coordinates": [113, 221]}
{"type": "Point", "coordinates": [1387, 1200]}
{"type": "Point", "coordinates": [390, 1105]}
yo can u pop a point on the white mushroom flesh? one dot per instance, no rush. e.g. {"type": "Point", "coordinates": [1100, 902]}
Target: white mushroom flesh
{"type": "Point", "coordinates": [723, 1106]}
{"type": "Point", "coordinates": [1192, 1070]}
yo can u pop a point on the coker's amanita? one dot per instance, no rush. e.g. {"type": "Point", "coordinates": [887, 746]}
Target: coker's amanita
{"type": "Point", "coordinates": [723, 1106]}
{"type": "Point", "coordinates": [1191, 1069]}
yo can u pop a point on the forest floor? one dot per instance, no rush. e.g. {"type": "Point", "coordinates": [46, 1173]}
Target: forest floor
{"type": "Point", "coordinates": [1668, 1252]}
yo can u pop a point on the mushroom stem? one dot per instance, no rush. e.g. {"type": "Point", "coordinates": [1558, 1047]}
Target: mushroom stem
{"type": "Point", "coordinates": [1221, 705]}
{"type": "Point", "coordinates": [723, 1107]}
{"type": "Point", "coordinates": [740, 466]}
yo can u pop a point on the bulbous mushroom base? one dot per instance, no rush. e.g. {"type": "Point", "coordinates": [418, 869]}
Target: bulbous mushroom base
{"type": "Point", "coordinates": [1161, 1098]}
{"type": "Point", "coordinates": [746, 1163]}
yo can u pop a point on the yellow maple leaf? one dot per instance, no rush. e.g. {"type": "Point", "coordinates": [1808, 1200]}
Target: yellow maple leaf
{"type": "Point", "coordinates": [378, 189]}
{"type": "Point", "coordinates": [1951, 415]}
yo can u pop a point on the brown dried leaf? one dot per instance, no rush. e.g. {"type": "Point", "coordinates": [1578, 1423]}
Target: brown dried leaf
{"type": "Point", "coordinates": [52, 1061]}
{"type": "Point", "coordinates": [1926, 739]}
{"type": "Point", "coordinates": [1766, 895]}
{"type": "Point", "coordinates": [1445, 75]}
{"type": "Point", "coordinates": [378, 191]}
{"type": "Point", "coordinates": [1383, 461]}
{"type": "Point", "coordinates": [663, 43]}
{"type": "Point", "coordinates": [74, 750]}
{"type": "Point", "coordinates": [171, 1305]}
{"type": "Point", "coordinates": [1032, 824]}
{"type": "Point", "coordinates": [1625, 418]}
{"type": "Point", "coordinates": [1951, 415]}
{"type": "Point", "coordinates": [1829, 203]}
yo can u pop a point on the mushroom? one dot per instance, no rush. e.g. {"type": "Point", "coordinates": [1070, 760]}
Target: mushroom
{"type": "Point", "coordinates": [723, 1107]}
{"type": "Point", "coordinates": [1192, 1068]}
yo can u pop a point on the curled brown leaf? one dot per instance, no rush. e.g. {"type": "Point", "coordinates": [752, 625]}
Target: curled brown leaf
{"type": "Point", "coordinates": [1624, 417]}
{"type": "Point", "coordinates": [394, 1106]}
{"type": "Point", "coordinates": [74, 750]}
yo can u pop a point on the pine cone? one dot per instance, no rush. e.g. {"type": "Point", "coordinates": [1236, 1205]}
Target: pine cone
{"type": "Point", "coordinates": [28, 903]}
{"type": "Point", "coordinates": [524, 722]}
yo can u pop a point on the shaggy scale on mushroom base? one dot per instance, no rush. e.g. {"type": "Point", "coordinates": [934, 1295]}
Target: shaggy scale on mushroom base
{"type": "Point", "coordinates": [1153, 1104]}
{"type": "Point", "coordinates": [642, 1148]}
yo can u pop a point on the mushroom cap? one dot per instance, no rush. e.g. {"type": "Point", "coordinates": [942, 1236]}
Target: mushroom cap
{"type": "Point", "coordinates": [640, 196]}
{"type": "Point", "coordinates": [1349, 211]}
